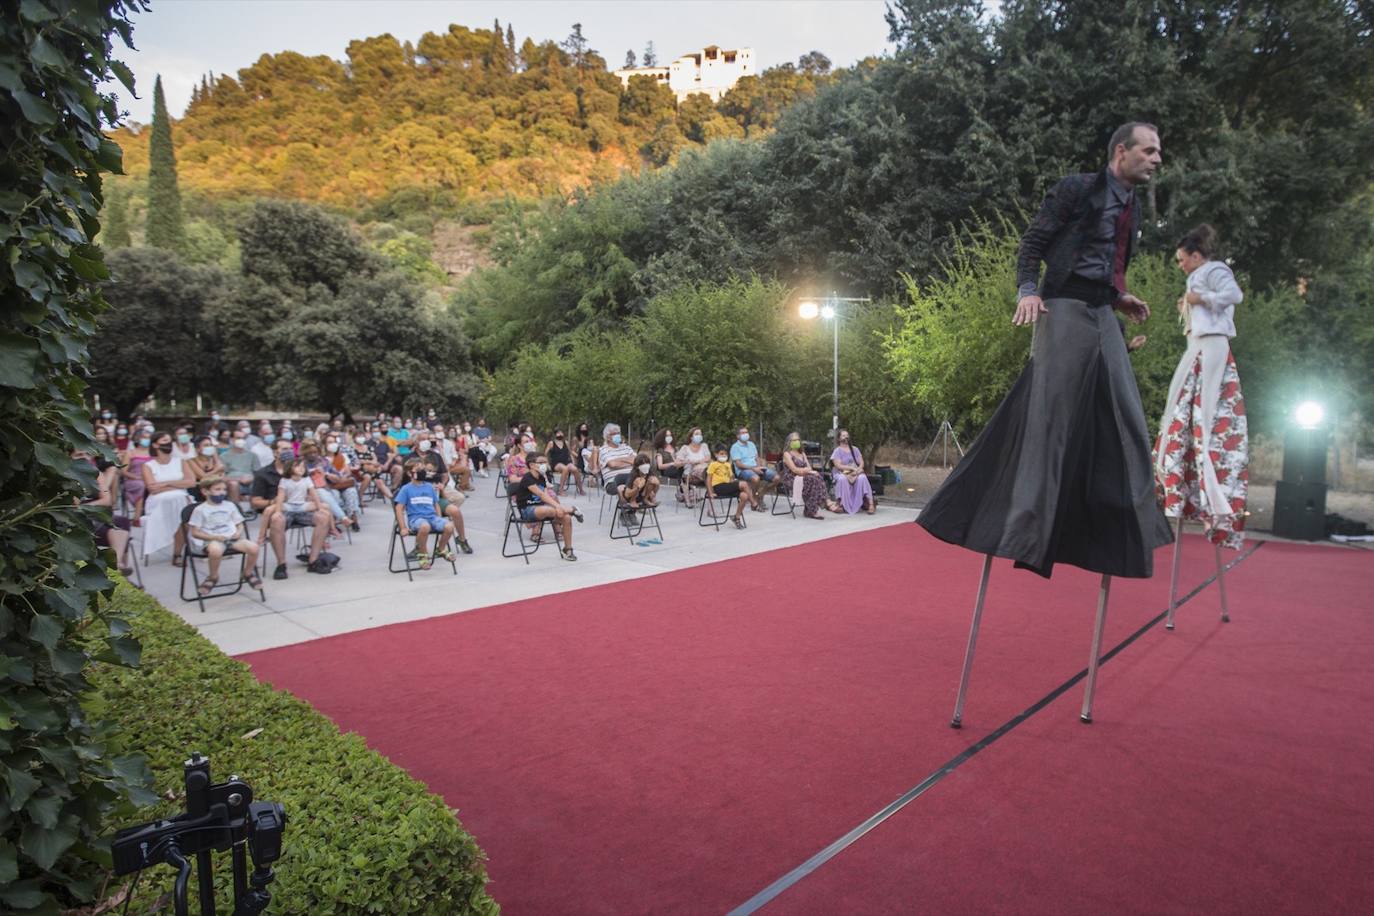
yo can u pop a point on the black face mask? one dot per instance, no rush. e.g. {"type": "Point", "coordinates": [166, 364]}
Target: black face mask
{"type": "Point", "coordinates": [422, 476]}
{"type": "Point", "coordinates": [165, 448]}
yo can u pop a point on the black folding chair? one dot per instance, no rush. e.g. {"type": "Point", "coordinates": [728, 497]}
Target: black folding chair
{"type": "Point", "coordinates": [632, 521]}
{"type": "Point", "coordinates": [412, 565]}
{"type": "Point", "coordinates": [220, 589]}
{"type": "Point", "coordinates": [718, 518]}
{"type": "Point", "coordinates": [515, 523]}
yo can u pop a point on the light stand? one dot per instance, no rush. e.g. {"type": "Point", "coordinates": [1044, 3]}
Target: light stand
{"type": "Point", "coordinates": [944, 434]}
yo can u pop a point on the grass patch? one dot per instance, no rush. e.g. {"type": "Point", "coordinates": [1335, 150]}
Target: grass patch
{"type": "Point", "coordinates": [362, 836]}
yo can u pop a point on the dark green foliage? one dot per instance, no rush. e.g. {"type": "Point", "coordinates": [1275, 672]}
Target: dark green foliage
{"type": "Point", "coordinates": [362, 836]}
{"type": "Point", "coordinates": [59, 782]}
{"type": "Point", "coordinates": [114, 233]}
{"type": "Point", "coordinates": [295, 246]}
{"type": "Point", "coordinates": [156, 340]}
{"type": "Point", "coordinates": [164, 228]}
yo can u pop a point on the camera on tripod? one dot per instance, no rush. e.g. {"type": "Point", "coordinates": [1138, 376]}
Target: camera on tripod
{"type": "Point", "coordinates": [218, 817]}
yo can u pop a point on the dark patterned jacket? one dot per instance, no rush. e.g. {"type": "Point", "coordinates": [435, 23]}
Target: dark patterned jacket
{"type": "Point", "coordinates": [1071, 209]}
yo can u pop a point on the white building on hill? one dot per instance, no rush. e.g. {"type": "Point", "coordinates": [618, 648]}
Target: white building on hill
{"type": "Point", "coordinates": [712, 71]}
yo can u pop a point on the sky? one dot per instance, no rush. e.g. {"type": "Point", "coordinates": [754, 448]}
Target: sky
{"type": "Point", "coordinates": [183, 39]}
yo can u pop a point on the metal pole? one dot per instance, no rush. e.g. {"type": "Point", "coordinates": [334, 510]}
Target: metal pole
{"type": "Point", "coordinates": [1087, 714]}
{"type": "Point", "coordinates": [1173, 576]}
{"type": "Point", "coordinates": [1221, 584]}
{"type": "Point", "coordinates": [958, 720]}
{"type": "Point", "coordinates": [835, 416]}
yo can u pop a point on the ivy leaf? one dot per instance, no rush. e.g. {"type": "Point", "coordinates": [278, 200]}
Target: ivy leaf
{"type": "Point", "coordinates": [18, 360]}
{"type": "Point", "coordinates": [126, 649]}
{"type": "Point", "coordinates": [67, 661]}
{"type": "Point", "coordinates": [36, 11]}
{"type": "Point", "coordinates": [16, 669]}
{"type": "Point", "coordinates": [34, 108]}
{"type": "Point", "coordinates": [9, 864]}
{"type": "Point", "coordinates": [10, 78]}
{"type": "Point", "coordinates": [44, 54]}
{"type": "Point", "coordinates": [21, 785]}
{"type": "Point", "coordinates": [23, 894]}
{"type": "Point", "coordinates": [45, 630]}
{"type": "Point", "coordinates": [125, 75]}
{"type": "Point", "coordinates": [110, 156]}
{"type": "Point", "coordinates": [44, 809]}
{"type": "Point", "coordinates": [45, 845]}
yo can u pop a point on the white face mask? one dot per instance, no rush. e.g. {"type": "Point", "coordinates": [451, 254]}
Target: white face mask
{"type": "Point", "coordinates": [643, 469]}
{"type": "Point", "coordinates": [441, 435]}
{"type": "Point", "coordinates": [207, 450]}
{"type": "Point", "coordinates": [744, 437]}
{"type": "Point", "coordinates": [668, 440]}
{"type": "Point", "coordinates": [696, 439]}
{"type": "Point", "coordinates": [426, 445]}
{"type": "Point", "coordinates": [721, 458]}
{"type": "Point", "coordinates": [529, 446]}
{"type": "Point", "coordinates": [542, 468]}
{"type": "Point", "coordinates": [238, 443]}
{"type": "Point", "coordinates": [359, 440]}
{"type": "Point", "coordinates": [332, 447]}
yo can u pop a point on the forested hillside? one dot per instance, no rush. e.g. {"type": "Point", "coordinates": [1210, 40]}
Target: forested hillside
{"type": "Point", "coordinates": [465, 113]}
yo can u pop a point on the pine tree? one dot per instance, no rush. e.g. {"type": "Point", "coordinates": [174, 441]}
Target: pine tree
{"type": "Point", "coordinates": [164, 226]}
{"type": "Point", "coordinates": [650, 55]}
{"type": "Point", "coordinates": [630, 59]}
{"type": "Point", "coordinates": [510, 49]}
{"type": "Point", "coordinates": [114, 232]}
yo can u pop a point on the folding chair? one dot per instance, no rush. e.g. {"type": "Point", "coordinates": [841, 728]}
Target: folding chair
{"type": "Point", "coordinates": [500, 476]}
{"type": "Point", "coordinates": [219, 590]}
{"type": "Point", "coordinates": [601, 512]}
{"type": "Point", "coordinates": [717, 519]}
{"type": "Point", "coordinates": [513, 521]}
{"type": "Point", "coordinates": [631, 526]}
{"type": "Point", "coordinates": [790, 509]}
{"type": "Point", "coordinates": [411, 567]}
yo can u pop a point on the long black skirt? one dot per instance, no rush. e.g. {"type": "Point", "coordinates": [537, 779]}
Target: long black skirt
{"type": "Point", "coordinates": [1062, 472]}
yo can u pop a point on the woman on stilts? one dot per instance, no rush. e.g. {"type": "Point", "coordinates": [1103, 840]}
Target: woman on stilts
{"type": "Point", "coordinates": [1202, 451]}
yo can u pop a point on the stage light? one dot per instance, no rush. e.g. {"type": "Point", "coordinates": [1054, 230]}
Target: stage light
{"type": "Point", "coordinates": [827, 311]}
{"type": "Point", "coordinates": [808, 309]}
{"type": "Point", "coordinates": [1309, 414]}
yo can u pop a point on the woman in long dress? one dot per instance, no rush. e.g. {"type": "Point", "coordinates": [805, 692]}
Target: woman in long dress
{"type": "Point", "coordinates": [1202, 449]}
{"type": "Point", "coordinates": [167, 480]}
{"type": "Point", "coordinates": [852, 489]}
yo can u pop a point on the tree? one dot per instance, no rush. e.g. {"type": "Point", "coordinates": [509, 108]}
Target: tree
{"type": "Point", "coordinates": [630, 61]}
{"type": "Point", "coordinates": [650, 55]}
{"type": "Point", "coordinates": [294, 246]}
{"type": "Point", "coordinates": [164, 227]}
{"type": "Point", "coordinates": [577, 47]}
{"type": "Point", "coordinates": [115, 233]}
{"type": "Point", "coordinates": [64, 784]}
{"type": "Point", "coordinates": [148, 288]}
{"type": "Point", "coordinates": [813, 63]}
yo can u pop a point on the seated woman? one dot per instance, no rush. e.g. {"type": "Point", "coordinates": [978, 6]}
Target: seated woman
{"type": "Point", "coordinates": [317, 470]}
{"type": "Point", "coordinates": [805, 482]}
{"type": "Point", "coordinates": [340, 479]}
{"type": "Point", "coordinates": [184, 448]}
{"type": "Point", "coordinates": [535, 502]}
{"type": "Point", "coordinates": [666, 464]}
{"type": "Point", "coordinates": [460, 467]}
{"type": "Point", "coordinates": [205, 463]}
{"type": "Point", "coordinates": [852, 489]}
{"type": "Point", "coordinates": [114, 533]}
{"type": "Point", "coordinates": [587, 453]}
{"type": "Point", "coordinates": [135, 456]}
{"type": "Point", "coordinates": [721, 483]}
{"type": "Point", "coordinates": [640, 487]}
{"type": "Point", "coordinates": [166, 480]}
{"type": "Point", "coordinates": [693, 457]}
{"type": "Point", "coordinates": [517, 462]}
{"type": "Point", "coordinates": [562, 463]}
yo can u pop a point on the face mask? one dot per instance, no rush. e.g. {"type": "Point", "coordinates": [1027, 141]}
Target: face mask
{"type": "Point", "coordinates": [528, 446]}
{"type": "Point", "coordinates": [360, 441]}
{"type": "Point", "coordinates": [422, 476]}
{"type": "Point", "coordinates": [844, 437]}
{"type": "Point", "coordinates": [744, 437]}
{"type": "Point", "coordinates": [285, 457]}
{"type": "Point", "coordinates": [795, 444]}
{"type": "Point", "coordinates": [121, 432]}
{"type": "Point", "coordinates": [287, 435]}
{"type": "Point", "coordinates": [144, 443]}
{"type": "Point", "coordinates": [165, 448]}
{"type": "Point", "coordinates": [207, 450]}
{"type": "Point", "coordinates": [410, 426]}
{"type": "Point", "coordinates": [184, 438]}
{"type": "Point", "coordinates": [643, 469]}
{"type": "Point", "coordinates": [309, 434]}
{"type": "Point", "coordinates": [441, 435]}
{"type": "Point", "coordinates": [667, 440]}
{"type": "Point", "coordinates": [558, 438]}
{"type": "Point", "coordinates": [215, 417]}
{"type": "Point", "coordinates": [467, 427]}
{"type": "Point", "coordinates": [269, 438]}
{"type": "Point", "coordinates": [542, 468]}
{"type": "Point", "coordinates": [720, 458]}
{"type": "Point", "coordinates": [218, 497]}
{"type": "Point", "coordinates": [238, 443]}
{"type": "Point", "coordinates": [332, 447]}
{"type": "Point", "coordinates": [377, 436]}
{"type": "Point", "coordinates": [696, 439]}
{"type": "Point", "coordinates": [105, 415]}
{"type": "Point", "coordinates": [425, 446]}
{"type": "Point", "coordinates": [616, 438]}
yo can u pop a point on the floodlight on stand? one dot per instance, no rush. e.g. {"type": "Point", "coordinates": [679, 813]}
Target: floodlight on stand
{"type": "Point", "coordinates": [827, 311]}
{"type": "Point", "coordinates": [808, 309]}
{"type": "Point", "coordinates": [1309, 414]}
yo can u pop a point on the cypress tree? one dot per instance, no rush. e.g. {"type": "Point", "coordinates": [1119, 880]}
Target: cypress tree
{"type": "Point", "coordinates": [114, 232]}
{"type": "Point", "coordinates": [164, 226]}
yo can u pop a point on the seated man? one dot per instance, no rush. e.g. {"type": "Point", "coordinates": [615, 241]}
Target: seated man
{"type": "Point", "coordinates": [745, 457]}
{"type": "Point", "coordinates": [240, 464]}
{"type": "Point", "coordinates": [216, 525]}
{"type": "Point", "coordinates": [266, 486]}
{"type": "Point", "coordinates": [417, 511]}
{"type": "Point", "coordinates": [616, 459]}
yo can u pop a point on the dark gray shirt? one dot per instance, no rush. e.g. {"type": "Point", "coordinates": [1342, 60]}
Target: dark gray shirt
{"type": "Point", "coordinates": [1098, 254]}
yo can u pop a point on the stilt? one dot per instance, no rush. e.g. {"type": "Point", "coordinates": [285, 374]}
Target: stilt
{"type": "Point", "coordinates": [958, 720]}
{"type": "Point", "coordinates": [1221, 584]}
{"type": "Point", "coordinates": [1087, 714]}
{"type": "Point", "coordinates": [1173, 574]}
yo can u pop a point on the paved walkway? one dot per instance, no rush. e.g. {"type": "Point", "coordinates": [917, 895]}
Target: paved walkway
{"type": "Point", "coordinates": [361, 593]}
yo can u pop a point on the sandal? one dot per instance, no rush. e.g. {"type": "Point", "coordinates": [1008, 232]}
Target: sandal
{"type": "Point", "coordinates": [178, 562]}
{"type": "Point", "coordinates": [207, 585]}
{"type": "Point", "coordinates": [253, 579]}
{"type": "Point", "coordinates": [425, 561]}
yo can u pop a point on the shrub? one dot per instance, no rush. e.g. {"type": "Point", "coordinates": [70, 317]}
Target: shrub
{"type": "Point", "coordinates": [362, 836]}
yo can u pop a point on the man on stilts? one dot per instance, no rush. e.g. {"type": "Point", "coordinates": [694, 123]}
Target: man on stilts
{"type": "Point", "coordinates": [1063, 473]}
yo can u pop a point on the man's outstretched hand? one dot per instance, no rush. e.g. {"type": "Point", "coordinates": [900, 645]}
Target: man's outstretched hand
{"type": "Point", "coordinates": [1028, 308]}
{"type": "Point", "coordinates": [1133, 308]}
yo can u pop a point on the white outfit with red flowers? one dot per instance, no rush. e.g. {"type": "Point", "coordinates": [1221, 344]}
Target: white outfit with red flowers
{"type": "Point", "coordinates": [1196, 475]}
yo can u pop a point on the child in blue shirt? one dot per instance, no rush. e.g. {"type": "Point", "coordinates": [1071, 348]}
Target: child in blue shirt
{"type": "Point", "coordinates": [417, 510]}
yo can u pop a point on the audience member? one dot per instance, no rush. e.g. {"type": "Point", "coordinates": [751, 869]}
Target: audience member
{"type": "Point", "coordinates": [560, 455]}
{"type": "Point", "coordinates": [666, 465]}
{"type": "Point", "coordinates": [217, 526]}
{"type": "Point", "coordinates": [316, 470]}
{"type": "Point", "coordinates": [852, 489]}
{"type": "Point", "coordinates": [184, 448]}
{"type": "Point", "coordinates": [615, 458]}
{"type": "Point", "coordinates": [585, 451]}
{"type": "Point", "coordinates": [268, 502]}
{"type": "Point", "coordinates": [722, 483]}
{"type": "Point", "coordinates": [805, 482]}
{"type": "Point", "coordinates": [339, 478]}
{"type": "Point", "coordinates": [240, 464]}
{"type": "Point", "coordinates": [417, 510]}
{"type": "Point", "coordinates": [640, 489]}
{"type": "Point", "coordinates": [114, 533]}
{"type": "Point", "coordinates": [136, 455]}
{"type": "Point", "coordinates": [517, 459]}
{"type": "Point", "coordinates": [745, 455]}
{"type": "Point", "coordinates": [166, 480]}
{"type": "Point", "coordinates": [535, 502]}
{"type": "Point", "coordinates": [206, 461]}
{"type": "Point", "coordinates": [693, 457]}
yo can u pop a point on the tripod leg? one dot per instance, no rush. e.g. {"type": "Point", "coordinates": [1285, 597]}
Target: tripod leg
{"type": "Point", "coordinates": [1087, 714]}
{"type": "Point", "coordinates": [1221, 584]}
{"type": "Point", "coordinates": [1173, 575]}
{"type": "Point", "coordinates": [958, 720]}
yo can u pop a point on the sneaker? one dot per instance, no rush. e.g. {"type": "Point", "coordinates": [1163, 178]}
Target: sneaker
{"type": "Point", "coordinates": [280, 572]}
{"type": "Point", "coordinates": [322, 568]}
{"type": "Point", "coordinates": [567, 554]}
{"type": "Point", "coordinates": [464, 546]}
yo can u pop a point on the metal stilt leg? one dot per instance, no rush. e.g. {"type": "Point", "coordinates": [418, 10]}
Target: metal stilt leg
{"type": "Point", "coordinates": [1087, 714]}
{"type": "Point", "coordinates": [958, 720]}
{"type": "Point", "coordinates": [1221, 584]}
{"type": "Point", "coordinates": [1173, 575]}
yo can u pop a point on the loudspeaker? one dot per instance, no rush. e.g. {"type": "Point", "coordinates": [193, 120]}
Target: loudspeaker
{"type": "Point", "coordinates": [1304, 455]}
{"type": "Point", "coordinates": [876, 482]}
{"type": "Point", "coordinates": [1300, 510]}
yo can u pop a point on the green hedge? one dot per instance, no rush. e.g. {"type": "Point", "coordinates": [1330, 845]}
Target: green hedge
{"type": "Point", "coordinates": [362, 836]}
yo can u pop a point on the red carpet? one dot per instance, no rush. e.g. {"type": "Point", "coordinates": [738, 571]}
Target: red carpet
{"type": "Point", "coordinates": [674, 744]}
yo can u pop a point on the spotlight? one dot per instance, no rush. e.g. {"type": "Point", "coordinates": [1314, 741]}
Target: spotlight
{"type": "Point", "coordinates": [808, 309]}
{"type": "Point", "coordinates": [827, 311]}
{"type": "Point", "coordinates": [1309, 414]}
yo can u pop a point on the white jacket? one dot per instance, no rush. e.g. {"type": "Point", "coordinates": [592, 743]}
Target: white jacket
{"type": "Point", "coordinates": [1216, 285]}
